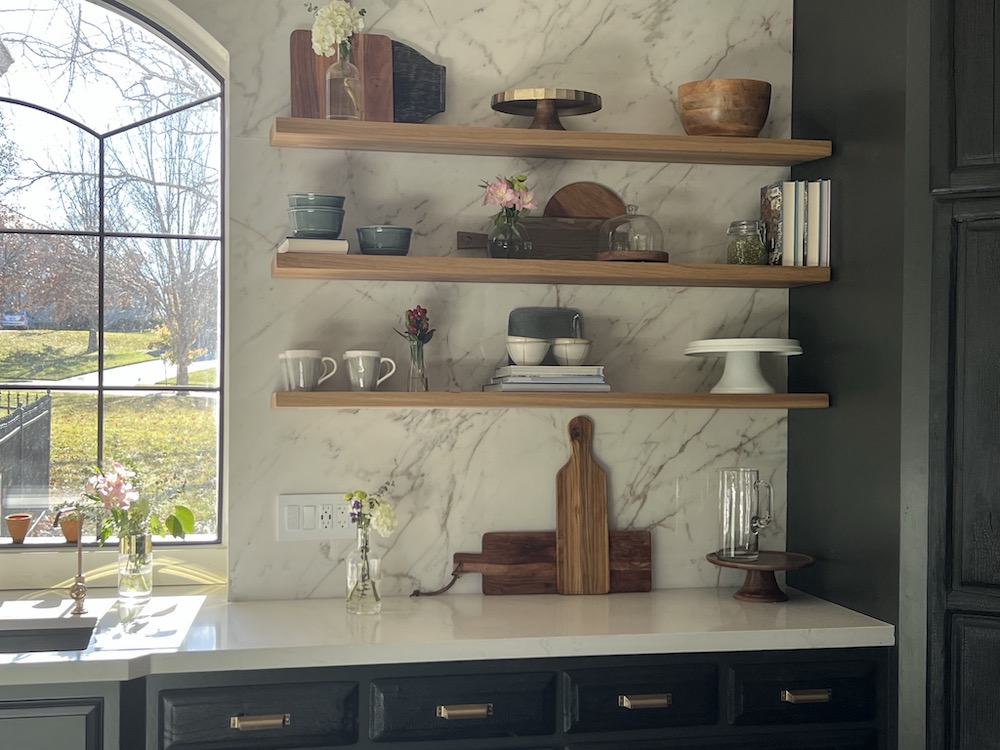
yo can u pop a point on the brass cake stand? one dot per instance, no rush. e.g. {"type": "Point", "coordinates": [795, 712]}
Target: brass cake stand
{"type": "Point", "coordinates": [545, 105]}
{"type": "Point", "coordinates": [760, 584]}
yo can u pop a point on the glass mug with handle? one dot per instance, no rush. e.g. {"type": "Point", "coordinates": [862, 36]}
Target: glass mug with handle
{"type": "Point", "coordinates": [305, 369]}
{"type": "Point", "coordinates": [364, 369]}
{"type": "Point", "coordinates": [740, 517]}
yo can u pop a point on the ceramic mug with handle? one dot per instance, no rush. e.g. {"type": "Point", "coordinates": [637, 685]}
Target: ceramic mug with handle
{"type": "Point", "coordinates": [305, 369]}
{"type": "Point", "coordinates": [364, 369]}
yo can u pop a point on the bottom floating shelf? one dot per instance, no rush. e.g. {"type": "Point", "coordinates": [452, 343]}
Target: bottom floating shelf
{"type": "Point", "coordinates": [481, 400]}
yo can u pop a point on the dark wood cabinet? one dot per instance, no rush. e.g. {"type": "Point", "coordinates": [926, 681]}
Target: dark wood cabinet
{"type": "Point", "coordinates": [79, 716]}
{"type": "Point", "coordinates": [635, 701]}
{"type": "Point", "coordinates": [966, 76]}
{"type": "Point", "coordinates": [965, 523]}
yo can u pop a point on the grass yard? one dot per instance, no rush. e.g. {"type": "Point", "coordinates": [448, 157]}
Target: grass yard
{"type": "Point", "coordinates": [54, 355]}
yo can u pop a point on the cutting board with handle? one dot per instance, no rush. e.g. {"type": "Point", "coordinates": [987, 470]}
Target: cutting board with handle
{"type": "Point", "coordinates": [585, 200]}
{"type": "Point", "coordinates": [582, 547]}
{"type": "Point", "coordinates": [524, 562]}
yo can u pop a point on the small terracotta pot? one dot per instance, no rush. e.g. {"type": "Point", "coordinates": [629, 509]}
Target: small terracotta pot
{"type": "Point", "coordinates": [70, 526]}
{"type": "Point", "coordinates": [17, 526]}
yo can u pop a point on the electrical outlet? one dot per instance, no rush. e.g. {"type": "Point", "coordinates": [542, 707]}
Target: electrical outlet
{"type": "Point", "coordinates": [313, 516]}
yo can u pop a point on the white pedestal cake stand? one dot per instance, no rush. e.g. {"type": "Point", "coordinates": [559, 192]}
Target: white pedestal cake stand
{"type": "Point", "coordinates": [742, 371]}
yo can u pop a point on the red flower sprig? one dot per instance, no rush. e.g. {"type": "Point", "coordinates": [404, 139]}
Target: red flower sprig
{"type": "Point", "coordinates": [418, 326]}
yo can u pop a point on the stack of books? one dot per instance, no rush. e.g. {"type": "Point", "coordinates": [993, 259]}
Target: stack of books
{"type": "Point", "coordinates": [795, 216]}
{"type": "Point", "coordinates": [541, 378]}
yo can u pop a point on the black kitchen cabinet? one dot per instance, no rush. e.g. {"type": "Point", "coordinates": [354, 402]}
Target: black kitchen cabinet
{"type": "Point", "coordinates": [72, 717]}
{"type": "Point", "coordinates": [827, 699]}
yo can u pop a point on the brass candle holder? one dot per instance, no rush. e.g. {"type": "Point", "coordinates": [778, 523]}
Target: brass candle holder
{"type": "Point", "coordinates": [78, 591]}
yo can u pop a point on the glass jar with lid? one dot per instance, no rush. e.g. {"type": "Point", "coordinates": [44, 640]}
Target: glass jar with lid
{"type": "Point", "coordinates": [631, 232]}
{"type": "Point", "coordinates": [746, 243]}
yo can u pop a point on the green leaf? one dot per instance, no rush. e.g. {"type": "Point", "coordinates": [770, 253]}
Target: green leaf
{"type": "Point", "coordinates": [185, 517]}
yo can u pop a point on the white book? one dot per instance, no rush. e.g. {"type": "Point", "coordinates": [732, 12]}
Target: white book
{"type": "Point", "coordinates": [548, 387]}
{"type": "Point", "coordinates": [313, 245]}
{"type": "Point", "coordinates": [788, 223]}
{"type": "Point", "coordinates": [548, 370]}
{"type": "Point", "coordinates": [824, 221]}
{"type": "Point", "coordinates": [801, 217]}
{"type": "Point", "coordinates": [814, 203]}
{"type": "Point", "coordinates": [549, 379]}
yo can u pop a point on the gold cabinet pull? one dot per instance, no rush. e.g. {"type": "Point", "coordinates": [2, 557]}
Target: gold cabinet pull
{"type": "Point", "coordinates": [815, 695]}
{"type": "Point", "coordinates": [465, 711]}
{"type": "Point", "coordinates": [257, 723]}
{"type": "Point", "coordinates": [647, 700]}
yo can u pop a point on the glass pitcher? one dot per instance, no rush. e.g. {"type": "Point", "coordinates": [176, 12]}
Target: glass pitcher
{"type": "Point", "coordinates": [740, 517]}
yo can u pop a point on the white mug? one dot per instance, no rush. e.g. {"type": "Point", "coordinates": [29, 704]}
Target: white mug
{"type": "Point", "coordinates": [305, 369]}
{"type": "Point", "coordinates": [363, 368]}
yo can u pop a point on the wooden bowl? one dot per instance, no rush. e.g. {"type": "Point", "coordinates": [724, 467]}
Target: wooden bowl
{"type": "Point", "coordinates": [724, 106]}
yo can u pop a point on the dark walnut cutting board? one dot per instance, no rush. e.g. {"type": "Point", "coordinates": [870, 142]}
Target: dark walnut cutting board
{"type": "Point", "coordinates": [524, 562]}
{"type": "Point", "coordinates": [401, 85]}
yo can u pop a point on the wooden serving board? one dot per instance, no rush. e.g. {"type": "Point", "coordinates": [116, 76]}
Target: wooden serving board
{"type": "Point", "coordinates": [524, 562]}
{"type": "Point", "coordinates": [582, 562]}
{"type": "Point", "coordinates": [585, 200]}
{"type": "Point", "coordinates": [372, 53]}
{"type": "Point", "coordinates": [551, 238]}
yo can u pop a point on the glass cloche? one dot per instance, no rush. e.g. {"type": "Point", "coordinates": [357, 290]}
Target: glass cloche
{"type": "Point", "coordinates": [631, 232]}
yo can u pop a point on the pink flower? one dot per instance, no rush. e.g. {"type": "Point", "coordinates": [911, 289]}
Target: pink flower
{"type": "Point", "coordinates": [511, 194]}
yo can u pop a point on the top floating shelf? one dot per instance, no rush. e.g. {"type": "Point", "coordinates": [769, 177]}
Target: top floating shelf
{"type": "Point", "coordinates": [297, 132]}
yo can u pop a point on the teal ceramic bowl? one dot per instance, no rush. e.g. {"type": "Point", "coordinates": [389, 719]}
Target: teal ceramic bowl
{"type": "Point", "coordinates": [384, 239]}
{"type": "Point", "coordinates": [315, 200]}
{"type": "Point", "coordinates": [316, 222]}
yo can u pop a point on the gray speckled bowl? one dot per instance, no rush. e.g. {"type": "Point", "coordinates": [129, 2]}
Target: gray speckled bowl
{"type": "Point", "coordinates": [383, 239]}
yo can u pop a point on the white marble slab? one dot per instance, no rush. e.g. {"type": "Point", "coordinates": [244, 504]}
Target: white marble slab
{"type": "Point", "coordinates": [245, 635]}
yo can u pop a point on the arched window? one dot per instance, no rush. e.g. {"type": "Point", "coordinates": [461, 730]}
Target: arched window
{"type": "Point", "coordinates": [111, 248]}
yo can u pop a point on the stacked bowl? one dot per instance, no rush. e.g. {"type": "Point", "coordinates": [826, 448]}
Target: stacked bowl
{"type": "Point", "coordinates": [315, 215]}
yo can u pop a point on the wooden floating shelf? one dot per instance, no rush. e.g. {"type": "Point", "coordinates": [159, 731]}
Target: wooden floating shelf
{"type": "Point", "coordinates": [482, 400]}
{"type": "Point", "coordinates": [496, 270]}
{"type": "Point", "coordinates": [421, 138]}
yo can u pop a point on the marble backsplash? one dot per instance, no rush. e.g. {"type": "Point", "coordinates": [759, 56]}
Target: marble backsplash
{"type": "Point", "coordinates": [461, 472]}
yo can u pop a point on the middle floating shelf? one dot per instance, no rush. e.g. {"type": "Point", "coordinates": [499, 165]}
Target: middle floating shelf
{"type": "Point", "coordinates": [319, 266]}
{"type": "Point", "coordinates": [479, 399]}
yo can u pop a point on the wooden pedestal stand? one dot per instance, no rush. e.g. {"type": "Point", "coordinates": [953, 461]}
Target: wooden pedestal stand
{"type": "Point", "coordinates": [760, 584]}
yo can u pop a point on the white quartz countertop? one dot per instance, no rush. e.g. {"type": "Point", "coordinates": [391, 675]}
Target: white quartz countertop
{"type": "Point", "coordinates": [197, 630]}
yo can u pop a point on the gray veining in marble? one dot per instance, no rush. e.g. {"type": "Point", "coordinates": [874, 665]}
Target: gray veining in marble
{"type": "Point", "coordinates": [461, 472]}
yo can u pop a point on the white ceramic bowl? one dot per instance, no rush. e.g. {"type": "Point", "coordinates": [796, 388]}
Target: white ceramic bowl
{"type": "Point", "coordinates": [525, 350]}
{"type": "Point", "coordinates": [570, 352]}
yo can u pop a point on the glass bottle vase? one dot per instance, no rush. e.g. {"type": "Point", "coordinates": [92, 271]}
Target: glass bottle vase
{"type": "Point", "coordinates": [509, 239]}
{"type": "Point", "coordinates": [364, 577]}
{"type": "Point", "coordinates": [417, 381]}
{"type": "Point", "coordinates": [135, 569]}
{"type": "Point", "coordinates": [345, 92]}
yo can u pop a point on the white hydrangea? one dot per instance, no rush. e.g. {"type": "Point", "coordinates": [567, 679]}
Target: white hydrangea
{"type": "Point", "coordinates": [334, 25]}
{"type": "Point", "coordinates": [383, 519]}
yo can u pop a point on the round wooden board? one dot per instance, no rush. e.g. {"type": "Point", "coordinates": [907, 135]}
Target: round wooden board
{"type": "Point", "coordinates": [760, 584]}
{"type": "Point", "coordinates": [585, 200]}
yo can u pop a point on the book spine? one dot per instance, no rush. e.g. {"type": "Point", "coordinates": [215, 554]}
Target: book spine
{"type": "Point", "coordinates": [788, 214]}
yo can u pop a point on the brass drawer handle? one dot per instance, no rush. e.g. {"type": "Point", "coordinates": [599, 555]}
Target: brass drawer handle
{"type": "Point", "coordinates": [256, 723]}
{"type": "Point", "coordinates": [647, 700]}
{"type": "Point", "coordinates": [465, 711]}
{"type": "Point", "coordinates": [816, 695]}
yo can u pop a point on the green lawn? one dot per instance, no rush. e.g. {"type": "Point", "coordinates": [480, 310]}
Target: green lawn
{"type": "Point", "coordinates": [54, 355]}
{"type": "Point", "coordinates": [169, 439]}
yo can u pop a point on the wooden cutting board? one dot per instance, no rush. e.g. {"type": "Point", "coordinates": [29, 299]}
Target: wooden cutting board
{"type": "Point", "coordinates": [582, 548]}
{"type": "Point", "coordinates": [524, 562]}
{"type": "Point", "coordinates": [551, 238]}
{"type": "Point", "coordinates": [585, 200]}
{"type": "Point", "coordinates": [372, 53]}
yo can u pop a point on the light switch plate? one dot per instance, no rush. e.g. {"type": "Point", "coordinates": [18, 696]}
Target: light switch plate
{"type": "Point", "coordinates": [313, 516]}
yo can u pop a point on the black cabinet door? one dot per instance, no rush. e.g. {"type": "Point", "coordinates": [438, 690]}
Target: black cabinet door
{"type": "Point", "coordinates": [965, 100]}
{"type": "Point", "coordinates": [70, 724]}
{"type": "Point", "coordinates": [964, 669]}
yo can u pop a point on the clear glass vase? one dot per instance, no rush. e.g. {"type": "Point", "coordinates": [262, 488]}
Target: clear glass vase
{"type": "Point", "coordinates": [345, 90]}
{"type": "Point", "coordinates": [417, 382]}
{"type": "Point", "coordinates": [135, 569]}
{"type": "Point", "coordinates": [509, 239]}
{"type": "Point", "coordinates": [364, 577]}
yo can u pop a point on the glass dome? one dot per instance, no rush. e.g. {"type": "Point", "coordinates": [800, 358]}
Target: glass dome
{"type": "Point", "coordinates": [631, 232]}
